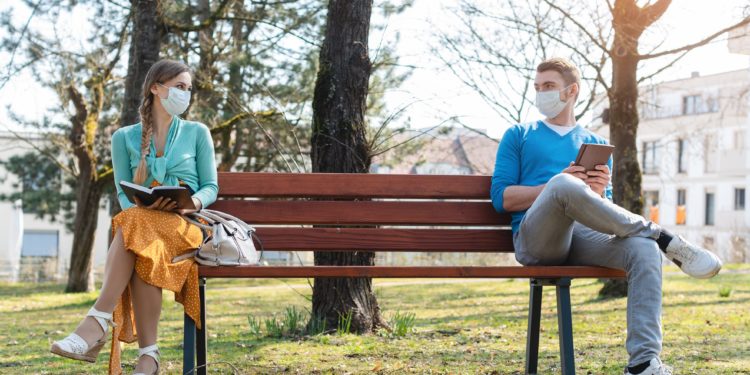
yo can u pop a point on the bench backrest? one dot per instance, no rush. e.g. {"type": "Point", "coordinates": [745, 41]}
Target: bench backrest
{"type": "Point", "coordinates": [412, 212]}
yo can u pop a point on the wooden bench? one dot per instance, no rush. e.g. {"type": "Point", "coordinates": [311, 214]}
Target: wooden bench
{"type": "Point", "coordinates": [415, 213]}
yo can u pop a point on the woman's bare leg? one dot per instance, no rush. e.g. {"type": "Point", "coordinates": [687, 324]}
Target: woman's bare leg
{"type": "Point", "coordinates": [117, 273]}
{"type": "Point", "coordinates": [147, 310]}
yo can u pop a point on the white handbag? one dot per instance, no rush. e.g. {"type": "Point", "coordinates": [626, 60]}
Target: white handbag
{"type": "Point", "coordinates": [230, 242]}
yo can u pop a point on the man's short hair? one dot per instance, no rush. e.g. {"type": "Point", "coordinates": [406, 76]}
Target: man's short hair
{"type": "Point", "coordinates": [563, 66]}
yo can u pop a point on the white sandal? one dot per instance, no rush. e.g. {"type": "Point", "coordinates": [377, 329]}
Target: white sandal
{"type": "Point", "coordinates": [75, 347]}
{"type": "Point", "coordinates": [153, 352]}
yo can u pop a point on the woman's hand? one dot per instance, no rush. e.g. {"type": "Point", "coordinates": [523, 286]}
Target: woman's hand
{"type": "Point", "coordinates": [162, 204]}
{"type": "Point", "coordinates": [185, 211]}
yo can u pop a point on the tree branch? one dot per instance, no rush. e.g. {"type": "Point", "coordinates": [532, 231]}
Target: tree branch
{"type": "Point", "coordinates": [579, 25]}
{"type": "Point", "coordinates": [703, 42]}
{"type": "Point", "coordinates": [237, 118]}
{"type": "Point", "coordinates": [40, 150]}
{"type": "Point", "coordinates": [652, 12]}
{"type": "Point", "coordinates": [20, 37]}
{"type": "Point", "coordinates": [200, 26]}
{"type": "Point", "coordinates": [261, 21]}
{"type": "Point", "coordinates": [663, 68]}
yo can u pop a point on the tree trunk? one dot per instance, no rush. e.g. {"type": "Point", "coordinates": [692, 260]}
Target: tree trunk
{"type": "Point", "coordinates": [144, 52]}
{"type": "Point", "coordinates": [232, 138]}
{"type": "Point", "coordinates": [145, 44]}
{"type": "Point", "coordinates": [87, 215]}
{"type": "Point", "coordinates": [623, 117]}
{"type": "Point", "coordinates": [339, 145]}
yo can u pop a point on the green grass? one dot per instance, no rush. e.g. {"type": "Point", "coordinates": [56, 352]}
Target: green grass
{"type": "Point", "coordinates": [475, 327]}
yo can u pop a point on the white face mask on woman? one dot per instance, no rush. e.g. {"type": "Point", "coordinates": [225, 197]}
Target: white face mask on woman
{"type": "Point", "coordinates": [176, 101]}
{"type": "Point", "coordinates": [549, 103]}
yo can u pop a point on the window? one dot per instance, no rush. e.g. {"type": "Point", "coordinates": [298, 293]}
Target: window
{"type": "Point", "coordinates": [39, 244]}
{"type": "Point", "coordinates": [709, 219]}
{"type": "Point", "coordinates": [38, 256]}
{"type": "Point", "coordinates": [681, 197]}
{"type": "Point", "coordinates": [681, 167]}
{"type": "Point", "coordinates": [691, 104]}
{"type": "Point", "coordinates": [651, 207]}
{"type": "Point", "coordinates": [739, 199]}
{"type": "Point", "coordinates": [681, 218]}
{"type": "Point", "coordinates": [712, 104]}
{"type": "Point", "coordinates": [649, 157]}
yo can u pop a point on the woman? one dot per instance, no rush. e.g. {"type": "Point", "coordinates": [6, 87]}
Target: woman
{"type": "Point", "coordinates": [162, 149]}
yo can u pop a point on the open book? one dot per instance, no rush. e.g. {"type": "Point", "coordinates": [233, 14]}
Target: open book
{"type": "Point", "coordinates": [179, 194]}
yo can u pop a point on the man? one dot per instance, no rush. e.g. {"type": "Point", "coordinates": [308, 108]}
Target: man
{"type": "Point", "coordinates": [563, 214]}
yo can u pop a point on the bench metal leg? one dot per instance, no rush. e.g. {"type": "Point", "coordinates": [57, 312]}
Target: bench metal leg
{"type": "Point", "coordinates": [565, 327]}
{"type": "Point", "coordinates": [535, 317]}
{"type": "Point", "coordinates": [201, 344]}
{"type": "Point", "coordinates": [188, 344]}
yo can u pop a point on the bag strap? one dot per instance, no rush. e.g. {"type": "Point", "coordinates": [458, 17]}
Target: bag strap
{"type": "Point", "coordinates": [213, 217]}
{"type": "Point", "coordinates": [182, 257]}
{"type": "Point", "coordinates": [193, 217]}
{"type": "Point", "coordinates": [226, 216]}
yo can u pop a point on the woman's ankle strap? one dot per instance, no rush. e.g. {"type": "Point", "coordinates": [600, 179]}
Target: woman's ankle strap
{"type": "Point", "coordinates": [149, 350]}
{"type": "Point", "coordinates": [102, 318]}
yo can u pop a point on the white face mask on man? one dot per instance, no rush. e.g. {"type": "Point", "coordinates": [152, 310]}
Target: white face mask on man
{"type": "Point", "coordinates": [176, 101]}
{"type": "Point", "coordinates": [549, 102]}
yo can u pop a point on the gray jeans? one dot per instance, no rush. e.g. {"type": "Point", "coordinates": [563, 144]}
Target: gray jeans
{"type": "Point", "coordinates": [569, 224]}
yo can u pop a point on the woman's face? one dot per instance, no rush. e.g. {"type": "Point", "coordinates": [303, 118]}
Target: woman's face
{"type": "Point", "coordinates": [182, 81]}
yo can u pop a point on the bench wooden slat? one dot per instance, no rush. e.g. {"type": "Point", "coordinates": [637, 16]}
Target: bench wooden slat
{"type": "Point", "coordinates": [410, 272]}
{"type": "Point", "coordinates": [362, 212]}
{"type": "Point", "coordinates": [377, 239]}
{"type": "Point", "coordinates": [352, 185]}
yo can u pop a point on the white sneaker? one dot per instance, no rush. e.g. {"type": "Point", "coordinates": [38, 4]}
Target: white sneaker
{"type": "Point", "coordinates": [655, 367]}
{"type": "Point", "coordinates": [693, 260]}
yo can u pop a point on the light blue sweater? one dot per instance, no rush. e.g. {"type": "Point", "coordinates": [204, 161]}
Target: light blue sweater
{"type": "Point", "coordinates": [531, 154]}
{"type": "Point", "coordinates": [188, 156]}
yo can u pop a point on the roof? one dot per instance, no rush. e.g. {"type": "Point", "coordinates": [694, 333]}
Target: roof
{"type": "Point", "coordinates": [456, 153]}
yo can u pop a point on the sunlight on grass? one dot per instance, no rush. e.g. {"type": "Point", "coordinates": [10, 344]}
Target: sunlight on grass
{"type": "Point", "coordinates": [476, 326]}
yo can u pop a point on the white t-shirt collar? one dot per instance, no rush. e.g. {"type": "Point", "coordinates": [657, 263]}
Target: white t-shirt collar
{"type": "Point", "coordinates": [560, 129]}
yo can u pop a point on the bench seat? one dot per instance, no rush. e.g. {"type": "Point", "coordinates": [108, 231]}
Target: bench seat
{"type": "Point", "coordinates": [539, 272]}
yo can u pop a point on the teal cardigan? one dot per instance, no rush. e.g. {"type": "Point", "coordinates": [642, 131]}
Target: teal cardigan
{"type": "Point", "coordinates": [188, 156]}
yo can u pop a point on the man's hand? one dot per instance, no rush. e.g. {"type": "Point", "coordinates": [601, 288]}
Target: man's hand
{"type": "Point", "coordinates": [162, 203]}
{"type": "Point", "coordinates": [598, 179]}
{"type": "Point", "coordinates": [576, 171]}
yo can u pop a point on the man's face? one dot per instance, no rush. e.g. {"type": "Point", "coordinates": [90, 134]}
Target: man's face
{"type": "Point", "coordinates": [550, 80]}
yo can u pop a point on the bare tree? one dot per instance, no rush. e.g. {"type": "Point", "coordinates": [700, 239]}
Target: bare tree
{"type": "Point", "coordinates": [495, 51]}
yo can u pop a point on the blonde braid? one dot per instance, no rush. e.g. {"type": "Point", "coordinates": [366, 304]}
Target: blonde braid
{"type": "Point", "coordinates": [141, 173]}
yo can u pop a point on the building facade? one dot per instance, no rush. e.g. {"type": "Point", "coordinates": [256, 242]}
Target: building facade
{"type": "Point", "coordinates": [692, 146]}
{"type": "Point", "coordinates": [32, 248]}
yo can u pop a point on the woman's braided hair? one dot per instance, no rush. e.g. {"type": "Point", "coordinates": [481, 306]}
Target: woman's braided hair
{"type": "Point", "coordinates": [160, 72]}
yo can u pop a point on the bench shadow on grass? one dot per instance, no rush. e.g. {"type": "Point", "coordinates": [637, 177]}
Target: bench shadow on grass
{"type": "Point", "coordinates": [549, 359]}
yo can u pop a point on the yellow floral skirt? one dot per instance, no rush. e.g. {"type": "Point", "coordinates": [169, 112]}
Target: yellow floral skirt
{"type": "Point", "coordinates": [155, 237]}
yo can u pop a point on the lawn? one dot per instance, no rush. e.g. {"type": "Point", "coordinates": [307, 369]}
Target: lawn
{"type": "Point", "coordinates": [460, 327]}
